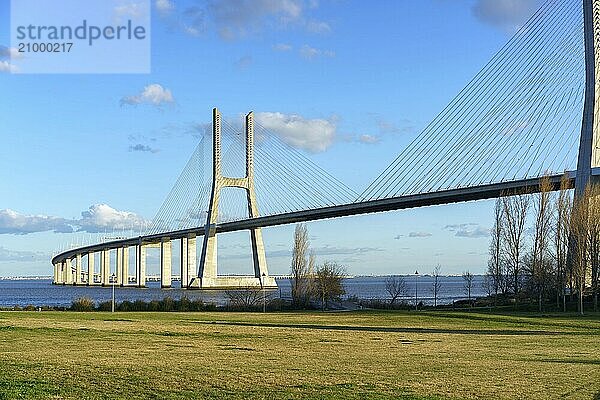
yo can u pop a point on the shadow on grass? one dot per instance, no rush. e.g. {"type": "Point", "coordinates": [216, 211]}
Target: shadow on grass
{"type": "Point", "coordinates": [389, 329]}
{"type": "Point", "coordinates": [529, 319]}
{"type": "Point", "coordinates": [567, 361]}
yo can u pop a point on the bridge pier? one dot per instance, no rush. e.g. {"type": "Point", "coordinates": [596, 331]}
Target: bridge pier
{"type": "Point", "coordinates": [124, 271]}
{"type": "Point", "coordinates": [165, 262]}
{"type": "Point", "coordinates": [78, 271]}
{"type": "Point", "coordinates": [68, 270]}
{"type": "Point", "coordinates": [119, 267]}
{"type": "Point", "coordinates": [91, 272]}
{"type": "Point", "coordinates": [105, 267]}
{"type": "Point", "coordinates": [188, 260]}
{"type": "Point", "coordinates": [57, 274]}
{"type": "Point", "coordinates": [140, 265]}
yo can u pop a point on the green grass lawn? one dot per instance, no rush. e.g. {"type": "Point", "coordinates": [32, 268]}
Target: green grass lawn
{"type": "Point", "coordinates": [345, 355]}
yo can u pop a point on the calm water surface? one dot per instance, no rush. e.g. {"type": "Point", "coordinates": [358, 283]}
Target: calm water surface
{"type": "Point", "coordinates": [41, 292]}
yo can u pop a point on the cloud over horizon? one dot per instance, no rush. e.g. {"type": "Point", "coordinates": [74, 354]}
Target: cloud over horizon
{"type": "Point", "coordinates": [102, 217]}
{"type": "Point", "coordinates": [13, 222]}
{"type": "Point", "coordinates": [419, 234]}
{"type": "Point", "coordinates": [312, 135]}
{"type": "Point", "coordinates": [153, 94]}
{"type": "Point", "coordinates": [98, 218]}
{"type": "Point", "coordinates": [470, 230]}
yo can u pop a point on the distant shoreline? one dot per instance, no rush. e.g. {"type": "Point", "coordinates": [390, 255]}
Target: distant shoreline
{"type": "Point", "coordinates": [43, 277]}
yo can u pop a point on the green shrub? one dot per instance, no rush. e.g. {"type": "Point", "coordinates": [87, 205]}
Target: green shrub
{"type": "Point", "coordinates": [140, 305]}
{"type": "Point", "coordinates": [125, 306]}
{"type": "Point", "coordinates": [167, 304]}
{"type": "Point", "coordinates": [105, 306]}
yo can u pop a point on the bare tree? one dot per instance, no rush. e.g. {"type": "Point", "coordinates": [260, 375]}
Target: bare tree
{"type": "Point", "coordinates": [301, 274]}
{"type": "Point", "coordinates": [579, 244]}
{"type": "Point", "coordinates": [436, 286]}
{"type": "Point", "coordinates": [539, 261]}
{"type": "Point", "coordinates": [594, 238]}
{"type": "Point", "coordinates": [329, 282]}
{"type": "Point", "coordinates": [396, 287]}
{"type": "Point", "coordinates": [515, 215]}
{"type": "Point", "coordinates": [468, 283]}
{"type": "Point", "coordinates": [488, 285]}
{"type": "Point", "coordinates": [495, 272]}
{"type": "Point", "coordinates": [562, 224]}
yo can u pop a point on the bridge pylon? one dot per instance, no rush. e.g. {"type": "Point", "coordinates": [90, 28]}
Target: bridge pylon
{"type": "Point", "coordinates": [589, 142]}
{"type": "Point", "coordinates": [207, 272]}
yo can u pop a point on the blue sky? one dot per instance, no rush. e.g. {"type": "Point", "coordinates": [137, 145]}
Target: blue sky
{"type": "Point", "coordinates": [105, 149]}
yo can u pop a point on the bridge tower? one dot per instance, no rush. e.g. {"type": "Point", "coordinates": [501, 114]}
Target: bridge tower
{"type": "Point", "coordinates": [589, 142]}
{"type": "Point", "coordinates": [207, 271]}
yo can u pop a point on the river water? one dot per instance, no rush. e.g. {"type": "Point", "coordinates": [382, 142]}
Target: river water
{"type": "Point", "coordinates": [41, 292]}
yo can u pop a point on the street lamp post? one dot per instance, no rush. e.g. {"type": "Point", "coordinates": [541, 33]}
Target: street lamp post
{"type": "Point", "coordinates": [416, 290]}
{"type": "Point", "coordinates": [113, 277]}
{"type": "Point", "coordinates": [262, 283]}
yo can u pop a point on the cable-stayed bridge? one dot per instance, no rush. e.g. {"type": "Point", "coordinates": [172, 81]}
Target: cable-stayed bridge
{"type": "Point", "coordinates": [529, 113]}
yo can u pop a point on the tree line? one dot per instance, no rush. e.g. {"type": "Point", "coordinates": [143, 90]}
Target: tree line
{"type": "Point", "coordinates": [553, 258]}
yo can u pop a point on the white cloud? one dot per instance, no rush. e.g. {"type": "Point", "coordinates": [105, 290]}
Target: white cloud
{"type": "Point", "coordinates": [153, 94]}
{"type": "Point", "coordinates": [368, 139]}
{"type": "Point", "coordinates": [133, 10]}
{"type": "Point", "coordinates": [310, 53]}
{"type": "Point", "coordinates": [244, 62]}
{"type": "Point", "coordinates": [318, 27]}
{"type": "Point", "coordinates": [98, 218]}
{"type": "Point", "coordinates": [282, 47]}
{"type": "Point", "coordinates": [468, 230]}
{"type": "Point", "coordinates": [234, 19]}
{"type": "Point", "coordinates": [139, 147]}
{"type": "Point", "coordinates": [313, 135]}
{"type": "Point", "coordinates": [6, 66]}
{"type": "Point", "coordinates": [419, 234]}
{"type": "Point", "coordinates": [508, 15]}
{"type": "Point", "coordinates": [12, 222]}
{"type": "Point", "coordinates": [102, 217]}
{"type": "Point", "coordinates": [164, 6]}
{"type": "Point", "coordinates": [7, 53]}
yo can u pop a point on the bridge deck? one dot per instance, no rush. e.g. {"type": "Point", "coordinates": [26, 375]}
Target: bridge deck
{"type": "Point", "coordinates": [450, 196]}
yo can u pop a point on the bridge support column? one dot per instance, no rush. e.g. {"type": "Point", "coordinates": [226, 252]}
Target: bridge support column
{"type": "Point", "coordinates": [140, 265]}
{"type": "Point", "coordinates": [125, 266]}
{"type": "Point", "coordinates": [78, 271]}
{"type": "Point", "coordinates": [119, 267]}
{"type": "Point", "coordinates": [91, 268]}
{"type": "Point", "coordinates": [165, 262]}
{"type": "Point", "coordinates": [57, 274]}
{"type": "Point", "coordinates": [183, 262]}
{"type": "Point", "coordinates": [105, 267]}
{"type": "Point", "coordinates": [68, 271]}
{"type": "Point", "coordinates": [207, 274]}
{"type": "Point", "coordinates": [188, 260]}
